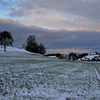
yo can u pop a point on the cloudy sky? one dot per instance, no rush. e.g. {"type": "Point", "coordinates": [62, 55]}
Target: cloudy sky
{"type": "Point", "coordinates": [63, 26]}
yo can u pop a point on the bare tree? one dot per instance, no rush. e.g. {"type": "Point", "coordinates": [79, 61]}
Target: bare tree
{"type": "Point", "coordinates": [31, 40]}
{"type": "Point", "coordinates": [42, 49]}
{"type": "Point", "coordinates": [33, 46]}
{"type": "Point", "coordinates": [6, 39]}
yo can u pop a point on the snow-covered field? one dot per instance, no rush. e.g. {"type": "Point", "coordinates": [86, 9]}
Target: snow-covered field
{"type": "Point", "coordinates": [28, 76]}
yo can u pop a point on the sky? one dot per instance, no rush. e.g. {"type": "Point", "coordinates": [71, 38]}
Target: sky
{"type": "Point", "coordinates": [63, 26]}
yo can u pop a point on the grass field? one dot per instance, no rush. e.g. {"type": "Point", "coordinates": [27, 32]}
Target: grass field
{"type": "Point", "coordinates": [25, 76]}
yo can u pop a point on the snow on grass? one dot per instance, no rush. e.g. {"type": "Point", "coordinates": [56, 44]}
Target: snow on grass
{"type": "Point", "coordinates": [98, 76]}
{"type": "Point", "coordinates": [25, 76]}
{"type": "Point", "coordinates": [8, 48]}
{"type": "Point", "coordinates": [52, 56]}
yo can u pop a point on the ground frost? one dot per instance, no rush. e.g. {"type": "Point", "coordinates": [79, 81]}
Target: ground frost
{"type": "Point", "coordinates": [34, 77]}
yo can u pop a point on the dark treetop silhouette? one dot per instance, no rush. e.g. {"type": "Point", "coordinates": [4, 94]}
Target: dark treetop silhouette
{"type": "Point", "coordinates": [6, 39]}
{"type": "Point", "coordinates": [33, 46]}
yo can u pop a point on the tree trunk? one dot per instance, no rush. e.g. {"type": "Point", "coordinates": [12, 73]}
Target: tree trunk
{"type": "Point", "coordinates": [5, 48]}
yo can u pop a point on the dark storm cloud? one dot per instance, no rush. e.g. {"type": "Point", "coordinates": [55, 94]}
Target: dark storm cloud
{"type": "Point", "coordinates": [52, 39]}
{"type": "Point", "coordinates": [57, 14]}
{"type": "Point", "coordinates": [23, 9]}
{"type": "Point", "coordinates": [18, 13]}
{"type": "Point", "coordinates": [86, 8]}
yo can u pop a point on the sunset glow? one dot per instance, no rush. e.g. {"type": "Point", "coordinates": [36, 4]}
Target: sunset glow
{"type": "Point", "coordinates": [61, 25]}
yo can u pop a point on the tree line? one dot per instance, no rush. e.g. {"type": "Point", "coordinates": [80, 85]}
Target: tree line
{"type": "Point", "coordinates": [33, 46]}
{"type": "Point", "coordinates": [6, 39]}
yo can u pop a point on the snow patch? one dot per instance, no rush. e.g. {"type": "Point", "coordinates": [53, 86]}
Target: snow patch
{"type": "Point", "coordinates": [52, 56]}
{"type": "Point", "coordinates": [16, 50]}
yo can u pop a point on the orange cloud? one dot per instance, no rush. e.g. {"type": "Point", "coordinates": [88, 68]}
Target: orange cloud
{"type": "Point", "coordinates": [66, 51]}
{"type": "Point", "coordinates": [82, 29]}
{"type": "Point", "coordinates": [98, 31]}
{"type": "Point", "coordinates": [9, 20]}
